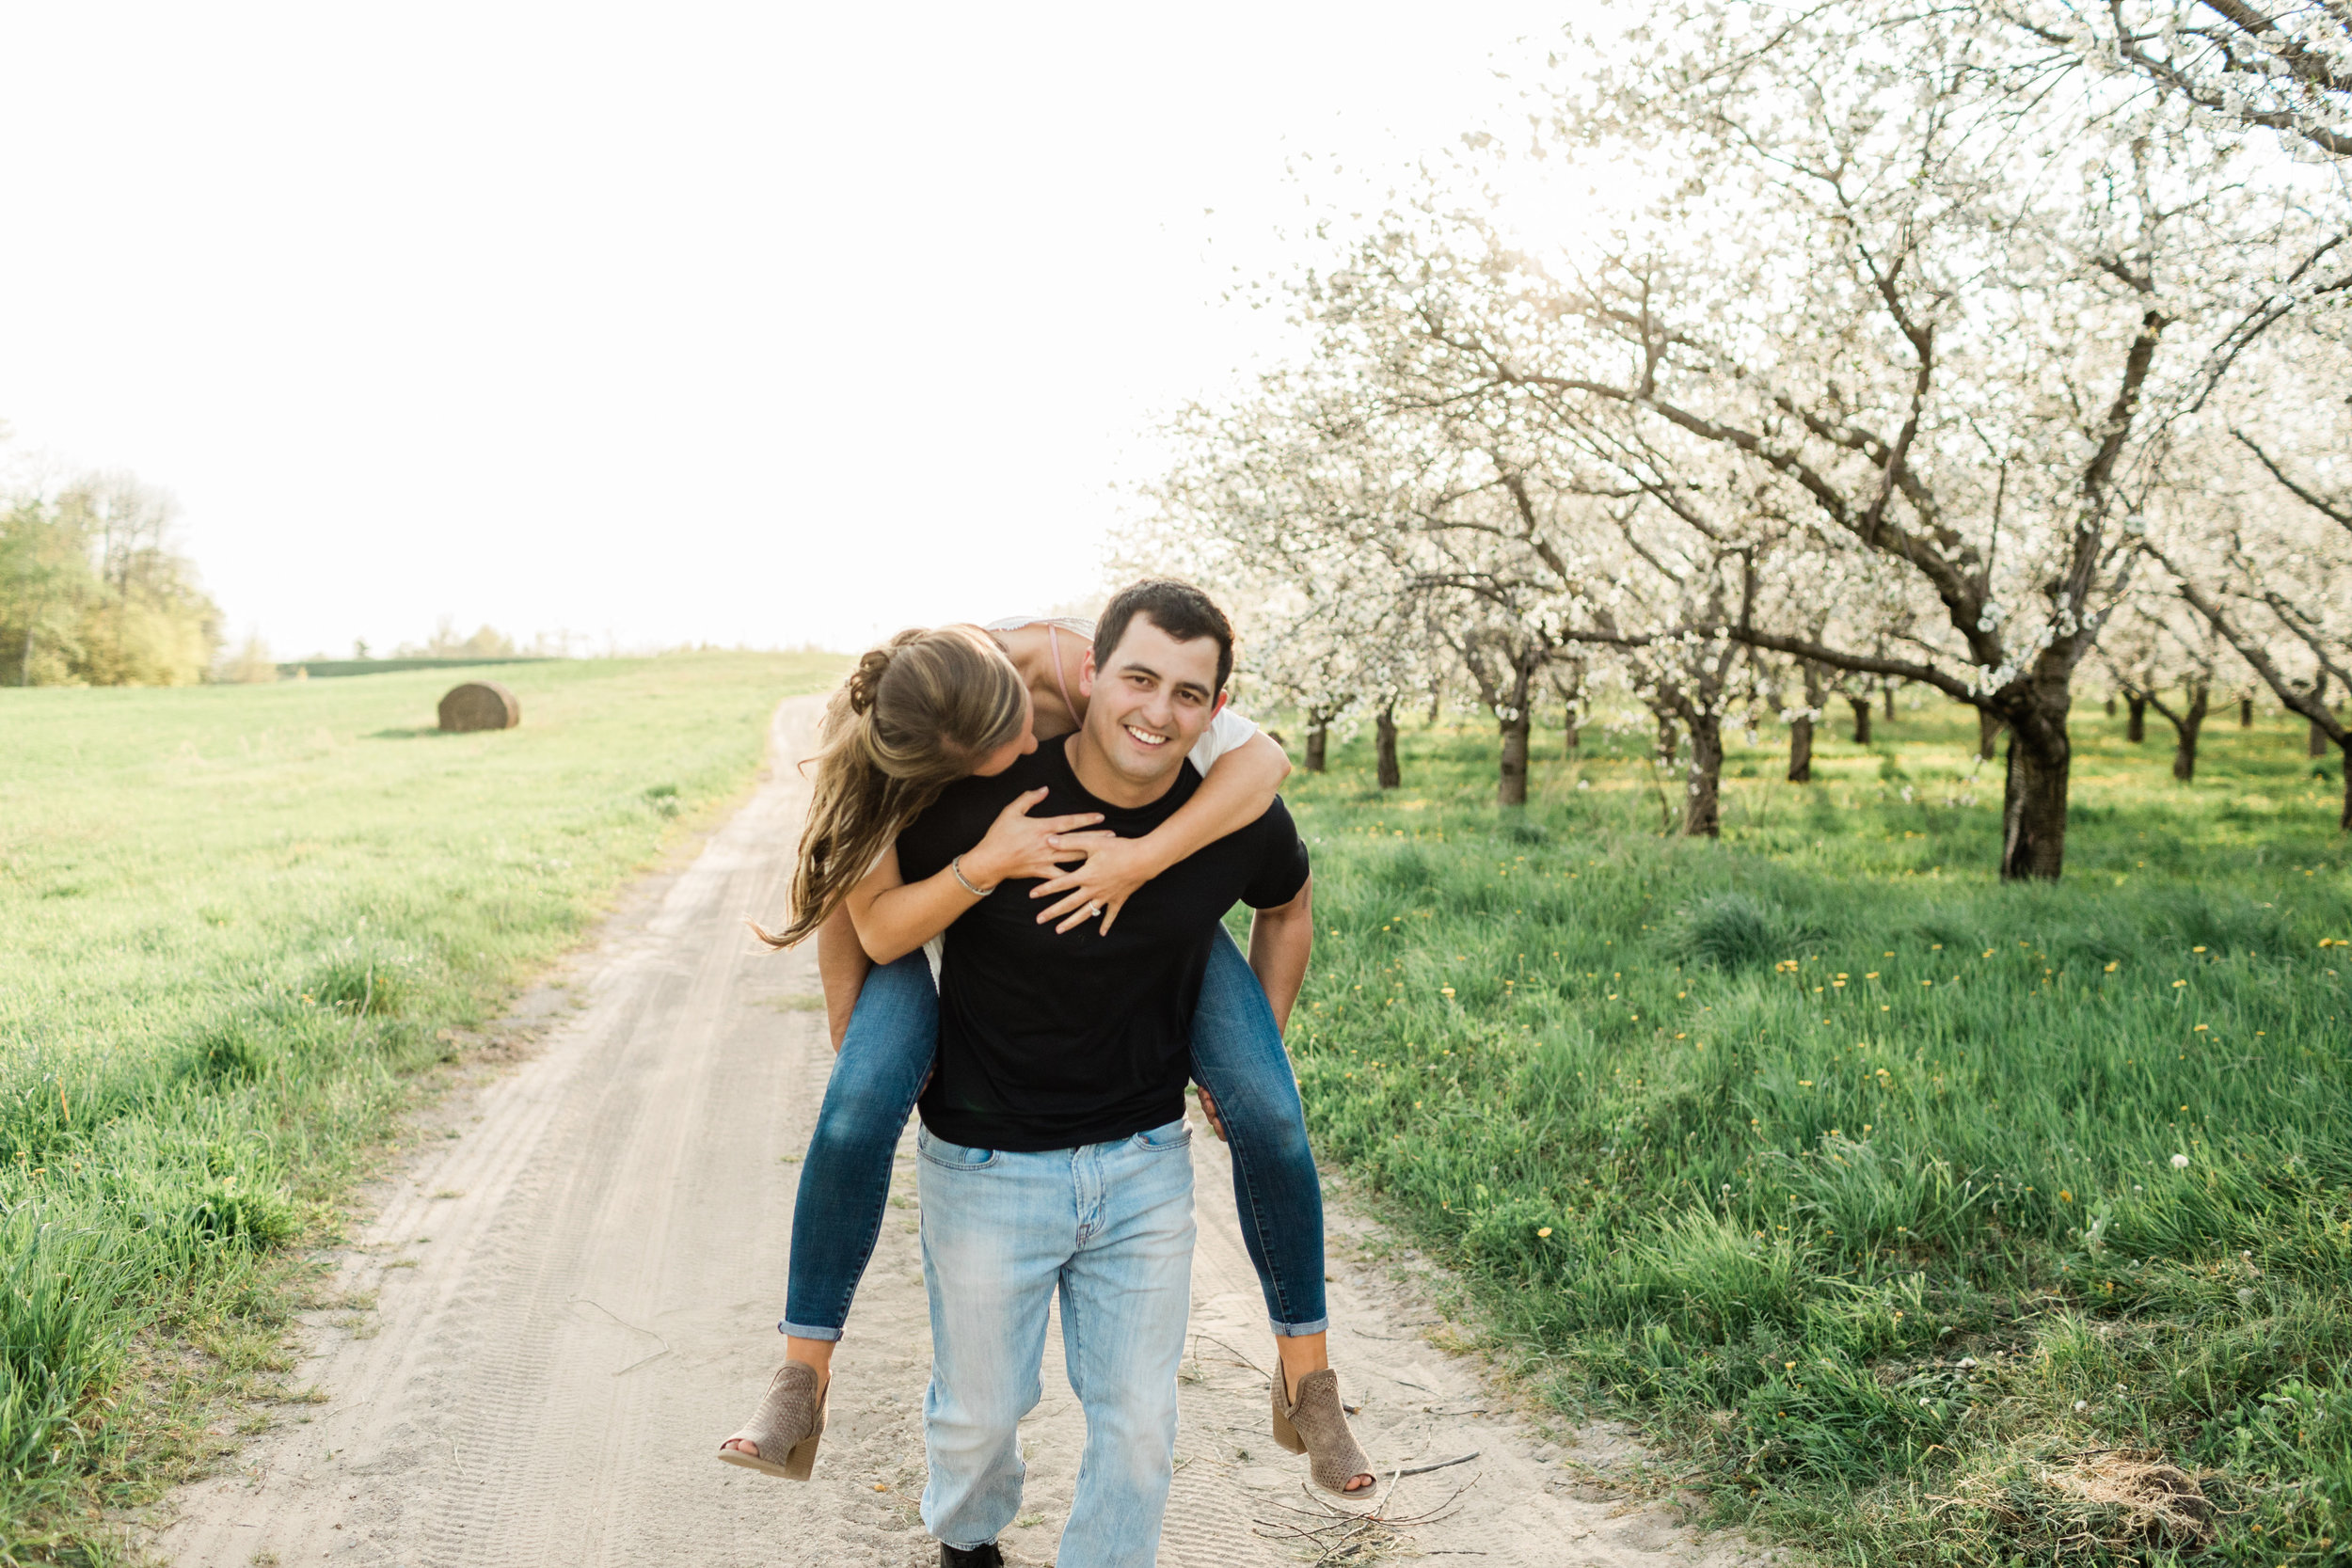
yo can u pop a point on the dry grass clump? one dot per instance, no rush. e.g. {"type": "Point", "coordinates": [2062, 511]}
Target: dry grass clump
{"type": "Point", "coordinates": [2098, 1500]}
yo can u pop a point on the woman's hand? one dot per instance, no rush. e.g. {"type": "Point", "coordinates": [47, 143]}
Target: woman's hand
{"type": "Point", "coordinates": [1019, 844]}
{"type": "Point", "coordinates": [1114, 868]}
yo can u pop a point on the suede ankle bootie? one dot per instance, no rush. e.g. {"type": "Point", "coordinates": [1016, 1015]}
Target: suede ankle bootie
{"type": "Point", "coordinates": [785, 1428]}
{"type": "Point", "coordinates": [1315, 1424]}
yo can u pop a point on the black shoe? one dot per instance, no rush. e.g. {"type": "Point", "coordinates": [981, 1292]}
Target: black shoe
{"type": "Point", "coordinates": [978, 1557]}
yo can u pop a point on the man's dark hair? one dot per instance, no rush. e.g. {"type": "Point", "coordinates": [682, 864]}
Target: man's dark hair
{"type": "Point", "coordinates": [1177, 609]}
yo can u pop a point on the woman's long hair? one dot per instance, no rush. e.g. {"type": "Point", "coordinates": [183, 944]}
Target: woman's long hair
{"type": "Point", "coordinates": [915, 716]}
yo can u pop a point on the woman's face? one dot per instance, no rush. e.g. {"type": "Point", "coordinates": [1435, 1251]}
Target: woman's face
{"type": "Point", "coordinates": [1014, 749]}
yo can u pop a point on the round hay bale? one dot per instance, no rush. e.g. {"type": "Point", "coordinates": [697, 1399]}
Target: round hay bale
{"type": "Point", "coordinates": [480, 706]}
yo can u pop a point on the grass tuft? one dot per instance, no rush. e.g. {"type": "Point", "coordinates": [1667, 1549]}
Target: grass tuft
{"type": "Point", "coordinates": [1735, 931]}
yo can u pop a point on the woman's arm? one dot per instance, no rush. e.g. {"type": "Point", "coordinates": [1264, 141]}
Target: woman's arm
{"type": "Point", "coordinates": [1238, 788]}
{"type": "Point", "coordinates": [894, 916]}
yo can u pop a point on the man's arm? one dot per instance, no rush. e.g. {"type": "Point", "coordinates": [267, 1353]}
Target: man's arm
{"type": "Point", "coordinates": [1280, 940]}
{"type": "Point", "coordinates": [841, 966]}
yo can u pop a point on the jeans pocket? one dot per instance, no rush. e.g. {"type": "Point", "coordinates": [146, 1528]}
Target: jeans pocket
{"type": "Point", "coordinates": [1176, 1134]}
{"type": "Point", "coordinates": [939, 1151]}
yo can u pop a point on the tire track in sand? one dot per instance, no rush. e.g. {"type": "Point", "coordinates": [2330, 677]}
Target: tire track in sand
{"type": "Point", "coordinates": [576, 1290]}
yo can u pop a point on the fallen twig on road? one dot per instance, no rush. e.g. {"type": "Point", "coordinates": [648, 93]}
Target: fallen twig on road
{"type": "Point", "coordinates": [1341, 1533]}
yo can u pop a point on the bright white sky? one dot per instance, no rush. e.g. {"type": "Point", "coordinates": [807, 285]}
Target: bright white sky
{"type": "Point", "coordinates": [727, 323]}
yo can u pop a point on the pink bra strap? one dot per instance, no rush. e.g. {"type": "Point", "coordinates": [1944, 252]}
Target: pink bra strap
{"type": "Point", "coordinates": [1054, 642]}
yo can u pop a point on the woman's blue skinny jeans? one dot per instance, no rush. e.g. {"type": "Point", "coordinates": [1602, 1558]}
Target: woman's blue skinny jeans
{"type": "Point", "coordinates": [1238, 1056]}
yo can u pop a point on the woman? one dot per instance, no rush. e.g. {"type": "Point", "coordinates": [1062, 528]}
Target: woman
{"type": "Point", "coordinates": [923, 711]}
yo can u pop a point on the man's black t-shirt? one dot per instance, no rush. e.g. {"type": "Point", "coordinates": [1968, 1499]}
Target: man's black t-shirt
{"type": "Point", "coordinates": [1050, 1042]}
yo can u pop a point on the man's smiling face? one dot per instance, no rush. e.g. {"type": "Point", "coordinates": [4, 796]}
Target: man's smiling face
{"type": "Point", "coordinates": [1148, 704]}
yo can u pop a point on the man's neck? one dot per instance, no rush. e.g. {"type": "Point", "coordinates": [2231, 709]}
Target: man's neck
{"type": "Point", "coordinates": [1104, 783]}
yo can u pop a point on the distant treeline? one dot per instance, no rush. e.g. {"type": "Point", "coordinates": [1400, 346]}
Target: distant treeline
{"type": "Point", "coordinates": [91, 593]}
{"type": "Point", "coordinates": [323, 668]}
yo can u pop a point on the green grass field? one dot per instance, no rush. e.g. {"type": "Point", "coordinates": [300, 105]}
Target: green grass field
{"type": "Point", "coordinates": [1845, 1170]}
{"type": "Point", "coordinates": [1882, 1196]}
{"type": "Point", "coordinates": [234, 922]}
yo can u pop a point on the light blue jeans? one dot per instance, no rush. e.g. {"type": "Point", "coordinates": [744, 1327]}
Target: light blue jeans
{"type": "Point", "coordinates": [1109, 1226]}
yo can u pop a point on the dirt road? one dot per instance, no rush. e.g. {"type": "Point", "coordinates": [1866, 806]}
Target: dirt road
{"type": "Point", "coordinates": [569, 1294]}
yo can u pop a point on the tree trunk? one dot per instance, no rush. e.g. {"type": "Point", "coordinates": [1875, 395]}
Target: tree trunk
{"type": "Point", "coordinates": [1989, 731]}
{"type": "Point", "coordinates": [1511, 784]}
{"type": "Point", "coordinates": [1889, 689]}
{"type": "Point", "coordinates": [1575, 732]}
{"type": "Point", "coordinates": [1318, 741]}
{"type": "Point", "coordinates": [1511, 788]}
{"type": "Point", "coordinates": [1702, 802]}
{"type": "Point", "coordinates": [2136, 727]}
{"type": "Point", "coordinates": [2110, 705]}
{"type": "Point", "coordinates": [1861, 707]}
{"type": "Point", "coordinates": [1669, 742]}
{"type": "Point", "coordinates": [2185, 728]}
{"type": "Point", "coordinates": [2033, 806]}
{"type": "Point", "coordinates": [2245, 712]}
{"type": "Point", "coordinates": [1800, 731]}
{"type": "Point", "coordinates": [1385, 728]}
{"type": "Point", "coordinates": [2318, 746]}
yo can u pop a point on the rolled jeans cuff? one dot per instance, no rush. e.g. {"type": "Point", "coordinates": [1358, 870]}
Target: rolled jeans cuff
{"type": "Point", "coordinates": [1294, 1331]}
{"type": "Point", "coordinates": [811, 1331]}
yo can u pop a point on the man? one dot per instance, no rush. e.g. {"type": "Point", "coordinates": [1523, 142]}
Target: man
{"type": "Point", "coordinates": [1054, 1144]}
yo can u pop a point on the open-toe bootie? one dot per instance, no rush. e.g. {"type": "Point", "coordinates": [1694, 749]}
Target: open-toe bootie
{"type": "Point", "coordinates": [785, 1428]}
{"type": "Point", "coordinates": [1315, 1424]}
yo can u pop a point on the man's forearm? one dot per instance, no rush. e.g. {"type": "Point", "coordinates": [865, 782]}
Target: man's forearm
{"type": "Point", "coordinates": [1280, 942]}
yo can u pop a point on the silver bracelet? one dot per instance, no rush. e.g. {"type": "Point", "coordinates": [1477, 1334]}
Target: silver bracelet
{"type": "Point", "coordinates": [956, 865]}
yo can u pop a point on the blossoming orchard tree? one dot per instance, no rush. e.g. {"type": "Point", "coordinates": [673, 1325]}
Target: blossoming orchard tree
{"type": "Point", "coordinates": [1290, 511]}
{"type": "Point", "coordinates": [2163, 655]}
{"type": "Point", "coordinates": [1905, 333]}
{"type": "Point", "coordinates": [2267, 572]}
{"type": "Point", "coordinates": [2262, 549]}
{"type": "Point", "coordinates": [2285, 69]}
{"type": "Point", "coordinates": [1538, 534]}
